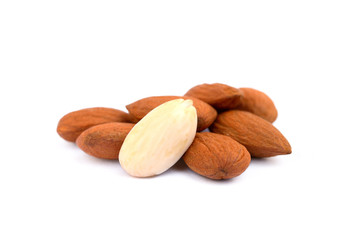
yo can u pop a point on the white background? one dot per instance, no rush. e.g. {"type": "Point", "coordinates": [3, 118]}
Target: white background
{"type": "Point", "coordinates": [61, 56]}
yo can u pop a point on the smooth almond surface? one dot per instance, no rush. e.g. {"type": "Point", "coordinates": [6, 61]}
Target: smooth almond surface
{"type": "Point", "coordinates": [259, 136]}
{"type": "Point", "coordinates": [218, 95]}
{"type": "Point", "coordinates": [159, 139]}
{"type": "Point", "coordinates": [206, 114]}
{"type": "Point", "coordinates": [73, 124]}
{"type": "Point", "coordinates": [217, 156]}
{"type": "Point", "coordinates": [259, 103]}
{"type": "Point", "coordinates": [104, 140]}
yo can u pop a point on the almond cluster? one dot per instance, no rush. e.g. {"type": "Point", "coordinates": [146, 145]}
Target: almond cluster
{"type": "Point", "coordinates": [214, 128]}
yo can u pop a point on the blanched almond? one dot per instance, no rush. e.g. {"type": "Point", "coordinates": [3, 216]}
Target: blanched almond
{"type": "Point", "coordinates": [159, 139]}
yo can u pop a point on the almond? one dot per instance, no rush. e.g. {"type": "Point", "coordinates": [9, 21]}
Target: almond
{"type": "Point", "coordinates": [206, 114]}
{"type": "Point", "coordinates": [218, 95]}
{"type": "Point", "coordinates": [258, 103]}
{"type": "Point", "coordinates": [73, 124]}
{"type": "Point", "coordinates": [104, 140]}
{"type": "Point", "coordinates": [259, 136]}
{"type": "Point", "coordinates": [159, 139]}
{"type": "Point", "coordinates": [216, 156]}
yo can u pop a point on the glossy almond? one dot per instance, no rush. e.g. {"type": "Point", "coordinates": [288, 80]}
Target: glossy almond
{"type": "Point", "coordinates": [206, 114]}
{"type": "Point", "coordinates": [73, 124]}
{"type": "Point", "coordinates": [259, 103]}
{"type": "Point", "coordinates": [218, 95]}
{"type": "Point", "coordinates": [259, 136]}
{"type": "Point", "coordinates": [217, 156]}
{"type": "Point", "coordinates": [104, 140]}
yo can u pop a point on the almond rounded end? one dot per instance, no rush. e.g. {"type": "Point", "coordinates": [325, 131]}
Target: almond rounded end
{"type": "Point", "coordinates": [217, 156]}
{"type": "Point", "coordinates": [258, 103]}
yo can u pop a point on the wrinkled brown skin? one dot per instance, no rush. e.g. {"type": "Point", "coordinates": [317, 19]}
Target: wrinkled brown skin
{"type": "Point", "coordinates": [73, 124]}
{"type": "Point", "coordinates": [205, 113]}
{"type": "Point", "coordinates": [218, 95]}
{"type": "Point", "coordinates": [104, 140]}
{"type": "Point", "coordinates": [259, 136]}
{"type": "Point", "coordinates": [258, 103]}
{"type": "Point", "coordinates": [216, 156]}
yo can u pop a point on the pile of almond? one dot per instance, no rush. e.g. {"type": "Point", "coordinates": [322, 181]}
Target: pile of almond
{"type": "Point", "coordinates": [214, 128]}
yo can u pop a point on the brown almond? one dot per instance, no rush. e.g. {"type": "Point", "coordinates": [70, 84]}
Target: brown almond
{"type": "Point", "coordinates": [259, 136]}
{"type": "Point", "coordinates": [258, 103]}
{"type": "Point", "coordinates": [218, 95]}
{"type": "Point", "coordinates": [216, 156]}
{"type": "Point", "coordinates": [73, 124]}
{"type": "Point", "coordinates": [104, 140]}
{"type": "Point", "coordinates": [206, 114]}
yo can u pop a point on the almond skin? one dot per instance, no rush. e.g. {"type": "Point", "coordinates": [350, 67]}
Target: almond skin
{"type": "Point", "coordinates": [73, 124]}
{"type": "Point", "coordinates": [104, 140]}
{"type": "Point", "coordinates": [259, 136]}
{"type": "Point", "coordinates": [258, 103]}
{"type": "Point", "coordinates": [218, 95]}
{"type": "Point", "coordinates": [206, 114]}
{"type": "Point", "coordinates": [217, 156]}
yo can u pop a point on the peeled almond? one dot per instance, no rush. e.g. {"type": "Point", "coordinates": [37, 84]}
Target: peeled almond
{"type": "Point", "coordinates": [159, 139]}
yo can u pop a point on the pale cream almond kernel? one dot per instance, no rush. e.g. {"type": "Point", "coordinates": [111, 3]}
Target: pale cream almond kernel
{"type": "Point", "coordinates": [159, 140]}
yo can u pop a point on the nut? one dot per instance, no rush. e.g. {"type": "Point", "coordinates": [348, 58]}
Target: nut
{"type": "Point", "coordinates": [259, 136]}
{"type": "Point", "coordinates": [218, 95]}
{"type": "Point", "coordinates": [73, 124]}
{"type": "Point", "coordinates": [216, 156]}
{"type": "Point", "coordinates": [159, 139]}
{"type": "Point", "coordinates": [258, 103]}
{"type": "Point", "coordinates": [206, 114]}
{"type": "Point", "coordinates": [104, 140]}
